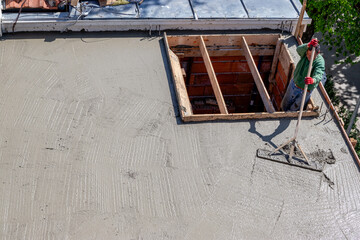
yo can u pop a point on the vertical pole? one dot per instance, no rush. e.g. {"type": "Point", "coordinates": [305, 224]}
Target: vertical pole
{"type": "Point", "coordinates": [353, 117]}
{"type": "Point", "coordinates": [304, 94]}
{"type": "Point", "coordinates": [301, 16]}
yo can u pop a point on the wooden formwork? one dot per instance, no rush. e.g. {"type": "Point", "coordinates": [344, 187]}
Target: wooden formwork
{"type": "Point", "coordinates": [224, 77]}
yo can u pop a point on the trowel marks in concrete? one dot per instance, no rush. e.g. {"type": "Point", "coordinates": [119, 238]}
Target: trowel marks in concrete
{"type": "Point", "coordinates": [90, 148]}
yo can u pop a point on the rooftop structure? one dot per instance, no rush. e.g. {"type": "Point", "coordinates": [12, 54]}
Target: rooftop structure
{"type": "Point", "coordinates": [94, 146]}
{"type": "Point", "coordinates": [154, 15]}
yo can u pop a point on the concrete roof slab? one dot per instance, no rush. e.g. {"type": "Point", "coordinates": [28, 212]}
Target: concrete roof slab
{"type": "Point", "coordinates": [92, 145]}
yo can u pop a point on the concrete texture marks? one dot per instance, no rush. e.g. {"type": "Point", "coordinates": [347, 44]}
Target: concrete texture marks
{"type": "Point", "coordinates": [92, 147]}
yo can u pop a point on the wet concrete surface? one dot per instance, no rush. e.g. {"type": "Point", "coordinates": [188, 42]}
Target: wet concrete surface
{"type": "Point", "coordinates": [92, 148]}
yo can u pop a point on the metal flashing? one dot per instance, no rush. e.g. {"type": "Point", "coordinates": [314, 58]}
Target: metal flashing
{"type": "Point", "coordinates": [270, 9]}
{"type": "Point", "coordinates": [111, 12]}
{"type": "Point", "coordinates": [28, 25]}
{"type": "Point", "coordinates": [217, 9]}
{"type": "Point", "coordinates": [161, 14]}
{"type": "Point", "coordinates": [165, 9]}
{"type": "Point", "coordinates": [297, 4]}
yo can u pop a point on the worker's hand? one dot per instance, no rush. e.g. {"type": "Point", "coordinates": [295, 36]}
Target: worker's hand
{"type": "Point", "coordinates": [309, 80]}
{"type": "Point", "coordinates": [313, 42]}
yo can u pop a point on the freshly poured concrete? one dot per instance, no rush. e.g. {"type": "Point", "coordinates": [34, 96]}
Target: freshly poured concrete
{"type": "Point", "coordinates": [92, 148]}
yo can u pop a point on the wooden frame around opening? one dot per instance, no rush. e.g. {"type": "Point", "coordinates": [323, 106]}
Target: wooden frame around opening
{"type": "Point", "coordinates": [207, 46]}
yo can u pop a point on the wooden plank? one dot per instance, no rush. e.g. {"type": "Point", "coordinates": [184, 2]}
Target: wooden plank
{"type": "Point", "coordinates": [181, 92]}
{"type": "Point", "coordinates": [74, 3]}
{"type": "Point", "coordinates": [311, 104]}
{"type": "Point", "coordinates": [251, 39]}
{"type": "Point", "coordinates": [240, 116]}
{"type": "Point", "coordinates": [289, 55]}
{"type": "Point", "coordinates": [285, 58]}
{"type": "Point", "coordinates": [281, 73]}
{"type": "Point", "coordinates": [299, 22]}
{"type": "Point", "coordinates": [224, 51]}
{"type": "Point", "coordinates": [280, 84]}
{"type": "Point", "coordinates": [183, 72]}
{"type": "Point", "coordinates": [278, 97]}
{"type": "Point", "coordinates": [212, 76]}
{"type": "Point", "coordinates": [275, 60]}
{"type": "Point", "coordinates": [291, 74]}
{"type": "Point", "coordinates": [257, 78]}
{"type": "Point", "coordinates": [224, 39]}
{"type": "Point", "coordinates": [331, 106]}
{"type": "Point", "coordinates": [221, 67]}
{"type": "Point", "coordinates": [223, 78]}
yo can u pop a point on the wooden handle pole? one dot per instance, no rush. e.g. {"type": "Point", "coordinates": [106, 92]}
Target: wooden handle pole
{"type": "Point", "coordinates": [304, 93]}
{"type": "Point", "coordinates": [301, 16]}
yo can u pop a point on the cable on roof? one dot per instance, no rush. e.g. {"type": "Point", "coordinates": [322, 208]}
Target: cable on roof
{"type": "Point", "coordinates": [17, 17]}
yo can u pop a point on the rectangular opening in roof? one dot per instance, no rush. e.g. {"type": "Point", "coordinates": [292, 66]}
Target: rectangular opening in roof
{"type": "Point", "coordinates": [235, 80]}
{"type": "Point", "coordinates": [231, 76]}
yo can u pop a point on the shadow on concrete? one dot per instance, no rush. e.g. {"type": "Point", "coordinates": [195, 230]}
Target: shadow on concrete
{"type": "Point", "coordinates": [53, 36]}
{"type": "Point", "coordinates": [170, 81]}
{"type": "Point", "coordinates": [284, 124]}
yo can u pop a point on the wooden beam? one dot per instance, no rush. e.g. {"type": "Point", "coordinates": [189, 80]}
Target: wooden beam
{"type": "Point", "coordinates": [299, 23]}
{"type": "Point", "coordinates": [291, 73]}
{"type": "Point", "coordinates": [285, 58]}
{"type": "Point", "coordinates": [212, 76]}
{"type": "Point", "coordinates": [257, 78]}
{"type": "Point", "coordinates": [241, 116]}
{"type": "Point", "coordinates": [74, 3]}
{"type": "Point", "coordinates": [331, 106]}
{"type": "Point", "coordinates": [223, 51]}
{"type": "Point", "coordinates": [223, 40]}
{"type": "Point", "coordinates": [275, 60]}
{"type": "Point", "coordinates": [181, 92]}
{"type": "Point", "coordinates": [302, 28]}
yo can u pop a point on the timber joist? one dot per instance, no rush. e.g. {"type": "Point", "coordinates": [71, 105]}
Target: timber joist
{"type": "Point", "coordinates": [231, 77]}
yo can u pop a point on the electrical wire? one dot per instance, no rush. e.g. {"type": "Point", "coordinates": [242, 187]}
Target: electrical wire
{"type": "Point", "coordinates": [17, 17]}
